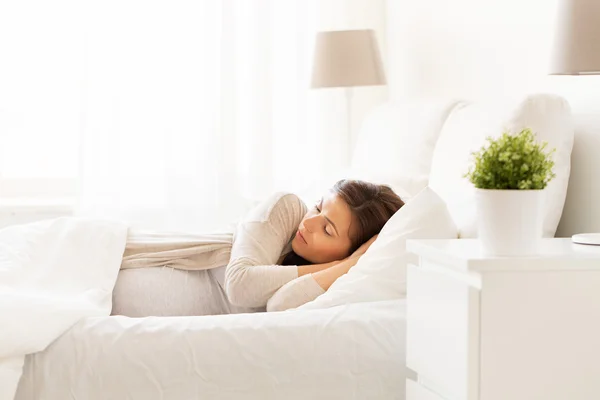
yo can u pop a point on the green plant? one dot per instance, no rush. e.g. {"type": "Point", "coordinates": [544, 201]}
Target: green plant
{"type": "Point", "coordinates": [512, 162]}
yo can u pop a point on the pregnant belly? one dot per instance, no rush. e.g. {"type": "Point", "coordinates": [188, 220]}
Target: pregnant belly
{"type": "Point", "coordinates": [165, 291]}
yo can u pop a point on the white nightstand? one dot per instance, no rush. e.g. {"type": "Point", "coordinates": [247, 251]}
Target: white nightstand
{"type": "Point", "coordinates": [481, 328]}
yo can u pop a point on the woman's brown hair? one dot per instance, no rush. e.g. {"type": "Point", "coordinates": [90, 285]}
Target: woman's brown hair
{"type": "Point", "coordinates": [371, 206]}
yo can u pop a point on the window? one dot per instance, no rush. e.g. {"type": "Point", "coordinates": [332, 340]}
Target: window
{"type": "Point", "coordinates": [41, 88]}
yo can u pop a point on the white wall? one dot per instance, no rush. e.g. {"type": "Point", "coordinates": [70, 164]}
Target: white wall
{"type": "Point", "coordinates": [477, 49]}
{"type": "Point", "coordinates": [467, 48]}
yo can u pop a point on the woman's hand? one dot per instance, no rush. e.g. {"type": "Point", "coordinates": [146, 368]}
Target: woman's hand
{"type": "Point", "coordinates": [354, 257]}
{"type": "Point", "coordinates": [363, 248]}
{"type": "Point", "coordinates": [325, 278]}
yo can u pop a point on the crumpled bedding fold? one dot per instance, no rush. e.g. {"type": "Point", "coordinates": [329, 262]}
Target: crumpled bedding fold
{"type": "Point", "coordinates": [200, 251]}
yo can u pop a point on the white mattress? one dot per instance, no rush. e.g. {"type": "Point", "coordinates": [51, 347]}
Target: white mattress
{"type": "Point", "coordinates": [349, 352]}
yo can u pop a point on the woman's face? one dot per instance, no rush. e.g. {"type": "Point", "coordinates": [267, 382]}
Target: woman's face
{"type": "Point", "coordinates": [324, 233]}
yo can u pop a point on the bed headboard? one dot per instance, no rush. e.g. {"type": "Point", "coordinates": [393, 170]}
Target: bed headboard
{"type": "Point", "coordinates": [387, 143]}
{"type": "Point", "coordinates": [582, 207]}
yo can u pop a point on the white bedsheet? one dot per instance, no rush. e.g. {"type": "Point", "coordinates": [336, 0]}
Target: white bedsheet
{"type": "Point", "coordinates": [52, 274]}
{"type": "Point", "coordinates": [347, 352]}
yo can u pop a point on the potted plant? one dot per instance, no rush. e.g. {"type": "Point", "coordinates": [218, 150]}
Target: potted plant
{"type": "Point", "coordinates": [510, 175]}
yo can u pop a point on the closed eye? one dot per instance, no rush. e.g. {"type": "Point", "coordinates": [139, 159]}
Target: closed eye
{"type": "Point", "coordinates": [318, 209]}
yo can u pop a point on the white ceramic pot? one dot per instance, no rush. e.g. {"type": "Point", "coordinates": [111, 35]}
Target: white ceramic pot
{"type": "Point", "coordinates": [510, 222]}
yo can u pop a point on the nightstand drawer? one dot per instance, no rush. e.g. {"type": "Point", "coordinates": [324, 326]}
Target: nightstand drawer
{"type": "Point", "coordinates": [442, 329]}
{"type": "Point", "coordinates": [415, 391]}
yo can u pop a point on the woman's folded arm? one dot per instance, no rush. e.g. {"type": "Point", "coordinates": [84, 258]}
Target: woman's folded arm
{"type": "Point", "coordinates": [252, 276]}
{"type": "Point", "coordinates": [295, 293]}
{"type": "Point", "coordinates": [308, 287]}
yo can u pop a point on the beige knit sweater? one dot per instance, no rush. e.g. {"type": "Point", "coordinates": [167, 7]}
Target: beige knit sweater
{"type": "Point", "coordinates": [245, 263]}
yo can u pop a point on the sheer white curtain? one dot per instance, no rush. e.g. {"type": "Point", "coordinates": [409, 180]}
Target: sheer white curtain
{"type": "Point", "coordinates": [173, 115]}
{"type": "Point", "coordinates": [40, 74]}
{"type": "Point", "coordinates": [194, 109]}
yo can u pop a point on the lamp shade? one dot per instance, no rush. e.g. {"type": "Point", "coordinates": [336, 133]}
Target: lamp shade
{"type": "Point", "coordinates": [347, 58]}
{"type": "Point", "coordinates": [577, 41]}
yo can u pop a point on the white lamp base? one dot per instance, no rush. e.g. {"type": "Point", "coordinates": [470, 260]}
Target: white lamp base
{"type": "Point", "coordinates": [587, 238]}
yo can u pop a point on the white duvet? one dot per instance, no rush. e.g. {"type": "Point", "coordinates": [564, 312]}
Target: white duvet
{"type": "Point", "coordinates": [350, 352]}
{"type": "Point", "coordinates": [55, 273]}
{"type": "Point", "coordinates": [52, 274]}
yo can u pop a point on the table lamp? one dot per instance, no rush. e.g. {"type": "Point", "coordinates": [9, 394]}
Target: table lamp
{"type": "Point", "coordinates": [347, 59]}
{"type": "Point", "coordinates": [577, 52]}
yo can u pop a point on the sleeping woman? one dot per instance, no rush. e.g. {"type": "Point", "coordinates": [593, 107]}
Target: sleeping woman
{"type": "Point", "coordinates": [283, 255]}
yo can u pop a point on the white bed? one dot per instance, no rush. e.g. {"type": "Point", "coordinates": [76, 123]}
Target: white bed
{"type": "Point", "coordinates": [348, 352]}
{"type": "Point", "coordinates": [345, 352]}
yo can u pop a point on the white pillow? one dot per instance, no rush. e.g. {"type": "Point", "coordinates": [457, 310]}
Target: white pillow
{"type": "Point", "coordinates": [465, 130]}
{"type": "Point", "coordinates": [394, 147]}
{"type": "Point", "coordinates": [380, 274]}
{"type": "Point", "coordinates": [396, 143]}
